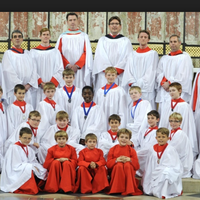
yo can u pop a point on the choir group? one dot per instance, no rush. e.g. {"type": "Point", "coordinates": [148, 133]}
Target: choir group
{"type": "Point", "coordinates": [71, 122]}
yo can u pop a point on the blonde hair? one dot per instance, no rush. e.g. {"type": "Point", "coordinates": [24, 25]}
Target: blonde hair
{"type": "Point", "coordinates": [124, 131]}
{"type": "Point", "coordinates": [90, 136]}
{"type": "Point", "coordinates": [60, 133]}
{"type": "Point", "coordinates": [177, 116]}
{"type": "Point", "coordinates": [34, 113]}
{"type": "Point", "coordinates": [111, 70]}
{"type": "Point", "coordinates": [62, 114]}
{"type": "Point", "coordinates": [44, 30]}
{"type": "Point", "coordinates": [163, 131]}
{"type": "Point", "coordinates": [135, 88]}
{"type": "Point", "coordinates": [67, 72]}
{"type": "Point", "coordinates": [49, 85]}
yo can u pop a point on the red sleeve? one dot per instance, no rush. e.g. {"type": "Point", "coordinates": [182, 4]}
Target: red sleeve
{"type": "Point", "coordinates": [164, 80]}
{"type": "Point", "coordinates": [81, 159]}
{"type": "Point", "coordinates": [111, 159]}
{"type": "Point", "coordinates": [49, 159]}
{"type": "Point", "coordinates": [54, 81]}
{"type": "Point", "coordinates": [119, 71]}
{"type": "Point", "coordinates": [81, 61]}
{"type": "Point", "coordinates": [102, 160]}
{"type": "Point", "coordinates": [39, 81]}
{"type": "Point", "coordinates": [65, 61]}
{"type": "Point", "coordinates": [134, 159]}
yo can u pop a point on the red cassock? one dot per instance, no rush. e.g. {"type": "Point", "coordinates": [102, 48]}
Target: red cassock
{"type": "Point", "coordinates": [61, 175]}
{"type": "Point", "coordinates": [91, 180]}
{"type": "Point", "coordinates": [123, 174]}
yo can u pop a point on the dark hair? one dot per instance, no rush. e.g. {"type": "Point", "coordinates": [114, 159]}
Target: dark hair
{"type": "Point", "coordinates": [154, 113]}
{"type": "Point", "coordinates": [16, 31]}
{"type": "Point", "coordinates": [115, 17]}
{"type": "Point", "coordinates": [25, 130]}
{"type": "Point", "coordinates": [163, 131]}
{"type": "Point", "coordinates": [71, 13]}
{"type": "Point", "coordinates": [19, 87]}
{"type": "Point", "coordinates": [114, 117]}
{"type": "Point", "coordinates": [88, 87]}
{"type": "Point", "coordinates": [144, 31]}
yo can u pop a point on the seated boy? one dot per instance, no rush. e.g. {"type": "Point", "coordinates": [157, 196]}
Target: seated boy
{"type": "Point", "coordinates": [177, 104]}
{"type": "Point", "coordinates": [163, 169]}
{"type": "Point", "coordinates": [32, 123]}
{"type": "Point", "coordinates": [137, 113]}
{"type": "Point", "coordinates": [88, 116]}
{"type": "Point", "coordinates": [20, 167]}
{"type": "Point", "coordinates": [108, 139]}
{"type": "Point", "coordinates": [48, 107]}
{"type": "Point", "coordinates": [179, 139]}
{"type": "Point", "coordinates": [123, 162]}
{"type": "Point", "coordinates": [112, 98]}
{"type": "Point", "coordinates": [47, 140]}
{"type": "Point", "coordinates": [18, 111]}
{"type": "Point", "coordinates": [61, 163]}
{"type": "Point", "coordinates": [92, 173]}
{"type": "Point", "coordinates": [69, 96]}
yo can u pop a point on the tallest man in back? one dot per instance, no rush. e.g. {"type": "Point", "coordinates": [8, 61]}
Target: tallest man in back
{"type": "Point", "coordinates": [74, 46]}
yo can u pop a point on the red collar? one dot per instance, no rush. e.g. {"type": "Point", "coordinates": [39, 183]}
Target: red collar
{"type": "Point", "coordinates": [52, 102]}
{"type": "Point", "coordinates": [108, 86]}
{"type": "Point", "coordinates": [18, 49]}
{"type": "Point", "coordinates": [113, 135]}
{"type": "Point", "coordinates": [139, 50]}
{"type": "Point", "coordinates": [40, 47]}
{"type": "Point", "coordinates": [159, 148]}
{"type": "Point", "coordinates": [87, 105]}
{"type": "Point", "coordinates": [113, 35]}
{"type": "Point", "coordinates": [19, 103]}
{"type": "Point", "coordinates": [135, 102]}
{"type": "Point", "coordinates": [34, 130]}
{"type": "Point", "coordinates": [24, 147]}
{"type": "Point", "coordinates": [177, 100]}
{"type": "Point", "coordinates": [175, 53]}
{"type": "Point", "coordinates": [69, 89]}
{"type": "Point", "coordinates": [64, 129]}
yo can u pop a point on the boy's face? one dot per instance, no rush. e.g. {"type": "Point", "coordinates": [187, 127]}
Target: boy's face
{"type": "Point", "coordinates": [110, 77]}
{"type": "Point", "coordinates": [114, 125]}
{"type": "Point", "coordinates": [20, 94]}
{"type": "Point", "coordinates": [61, 141]}
{"type": "Point", "coordinates": [152, 120]}
{"type": "Point", "coordinates": [62, 123]}
{"type": "Point", "coordinates": [25, 138]}
{"type": "Point", "coordinates": [143, 39]}
{"type": "Point", "coordinates": [1, 93]}
{"type": "Point", "coordinates": [34, 121]}
{"type": "Point", "coordinates": [91, 143]}
{"type": "Point", "coordinates": [174, 93]}
{"type": "Point", "coordinates": [161, 138]}
{"type": "Point", "coordinates": [174, 123]}
{"type": "Point", "coordinates": [135, 94]}
{"type": "Point", "coordinates": [49, 93]}
{"type": "Point", "coordinates": [87, 95]}
{"type": "Point", "coordinates": [123, 139]}
{"type": "Point", "coordinates": [69, 79]}
{"type": "Point", "coordinates": [45, 37]}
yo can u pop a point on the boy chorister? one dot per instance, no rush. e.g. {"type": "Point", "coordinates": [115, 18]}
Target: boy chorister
{"type": "Point", "coordinates": [92, 173]}
{"type": "Point", "coordinates": [21, 172]}
{"type": "Point", "coordinates": [69, 96]}
{"type": "Point", "coordinates": [108, 138]}
{"type": "Point", "coordinates": [88, 116]}
{"type": "Point", "coordinates": [111, 97]}
{"type": "Point", "coordinates": [47, 140]}
{"type": "Point", "coordinates": [137, 112]}
{"type": "Point", "coordinates": [181, 143]}
{"type": "Point", "coordinates": [163, 169]}
{"type": "Point", "coordinates": [61, 163]}
{"type": "Point", "coordinates": [177, 104]}
{"type": "Point", "coordinates": [48, 107]}
{"type": "Point", "coordinates": [123, 162]}
{"type": "Point", "coordinates": [18, 111]}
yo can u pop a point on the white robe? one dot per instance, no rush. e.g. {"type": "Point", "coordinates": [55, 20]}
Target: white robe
{"type": "Point", "coordinates": [72, 49]}
{"type": "Point", "coordinates": [18, 69]}
{"type": "Point", "coordinates": [3, 123]}
{"type": "Point", "coordinates": [181, 143]}
{"type": "Point", "coordinates": [115, 102]}
{"type": "Point", "coordinates": [196, 168]}
{"type": "Point", "coordinates": [62, 98]}
{"type": "Point", "coordinates": [110, 52]}
{"type": "Point", "coordinates": [48, 115]}
{"type": "Point", "coordinates": [94, 123]}
{"type": "Point", "coordinates": [187, 125]}
{"type": "Point", "coordinates": [15, 116]}
{"type": "Point", "coordinates": [177, 68]}
{"type": "Point", "coordinates": [17, 168]}
{"type": "Point", "coordinates": [48, 140]}
{"type": "Point", "coordinates": [196, 113]}
{"type": "Point", "coordinates": [163, 179]}
{"type": "Point", "coordinates": [140, 71]}
{"type": "Point", "coordinates": [49, 65]}
{"type": "Point", "coordinates": [140, 123]}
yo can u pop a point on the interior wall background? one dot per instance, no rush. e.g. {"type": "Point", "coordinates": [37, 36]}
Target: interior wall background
{"type": "Point", "coordinates": [160, 25]}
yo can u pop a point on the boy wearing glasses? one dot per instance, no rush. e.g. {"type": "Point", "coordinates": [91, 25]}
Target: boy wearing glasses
{"type": "Point", "coordinates": [18, 68]}
{"type": "Point", "coordinates": [112, 50]}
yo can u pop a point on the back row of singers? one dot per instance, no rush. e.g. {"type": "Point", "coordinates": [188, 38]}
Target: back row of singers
{"type": "Point", "coordinates": [73, 50]}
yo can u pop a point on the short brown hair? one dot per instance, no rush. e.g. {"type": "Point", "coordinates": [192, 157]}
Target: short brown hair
{"type": "Point", "coordinates": [44, 30]}
{"type": "Point", "coordinates": [154, 113]}
{"type": "Point", "coordinates": [90, 136]}
{"type": "Point", "coordinates": [111, 70]}
{"type": "Point", "coordinates": [67, 72]}
{"type": "Point", "coordinates": [19, 87]}
{"type": "Point", "coordinates": [60, 133]}
{"type": "Point", "coordinates": [177, 85]}
{"type": "Point", "coordinates": [115, 17]}
{"type": "Point", "coordinates": [49, 85]}
{"type": "Point", "coordinates": [71, 13]}
{"type": "Point", "coordinates": [62, 114]}
{"type": "Point", "coordinates": [34, 113]}
{"type": "Point", "coordinates": [114, 117]}
{"type": "Point", "coordinates": [124, 131]}
{"type": "Point", "coordinates": [25, 130]}
{"type": "Point", "coordinates": [144, 31]}
{"type": "Point", "coordinates": [163, 131]}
